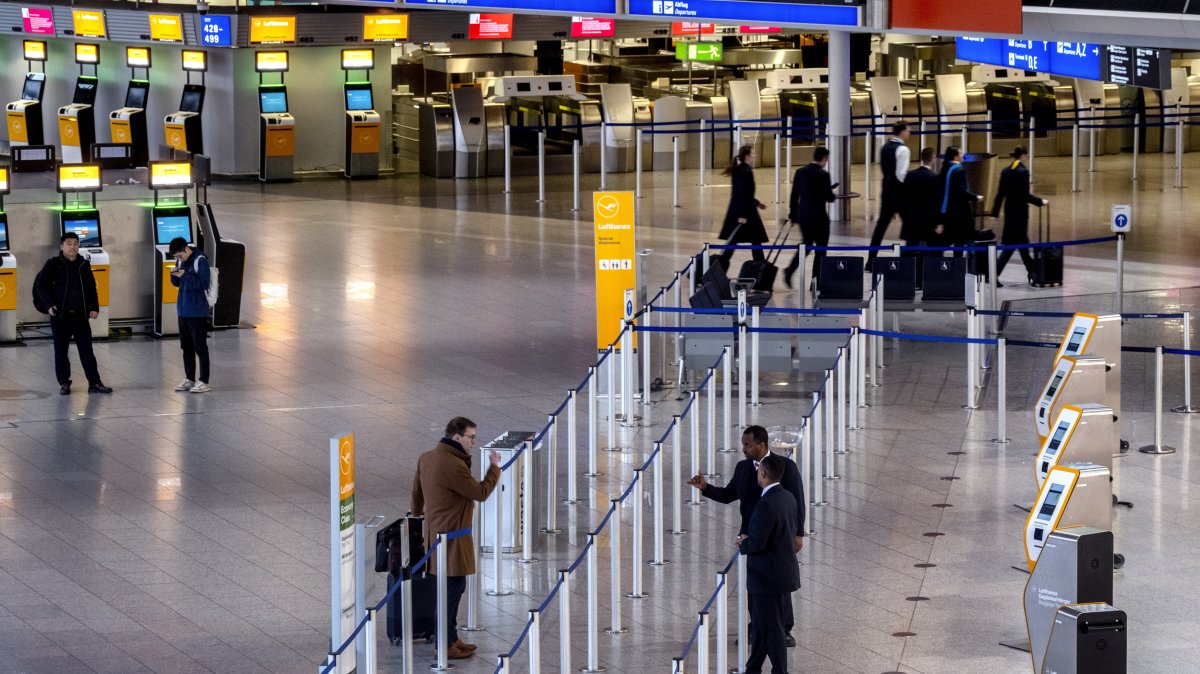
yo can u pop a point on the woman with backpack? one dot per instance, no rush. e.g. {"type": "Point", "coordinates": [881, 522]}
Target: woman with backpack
{"type": "Point", "coordinates": [192, 276]}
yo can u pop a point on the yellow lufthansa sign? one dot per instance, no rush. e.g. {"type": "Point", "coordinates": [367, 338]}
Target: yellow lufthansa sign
{"type": "Point", "coordinates": [175, 136]}
{"type": "Point", "coordinates": [615, 250]}
{"type": "Point", "coordinates": [68, 130]}
{"type": "Point", "coordinates": [120, 130]}
{"type": "Point", "coordinates": [272, 29]}
{"type": "Point", "coordinates": [166, 28]}
{"type": "Point", "coordinates": [78, 177]}
{"type": "Point", "coordinates": [385, 27]}
{"type": "Point", "coordinates": [17, 132]}
{"type": "Point", "coordinates": [170, 174]}
{"type": "Point", "coordinates": [137, 57]}
{"type": "Point", "coordinates": [85, 52]}
{"type": "Point", "coordinates": [194, 60]}
{"type": "Point", "coordinates": [89, 23]}
{"type": "Point", "coordinates": [346, 466]}
{"type": "Point", "coordinates": [34, 50]}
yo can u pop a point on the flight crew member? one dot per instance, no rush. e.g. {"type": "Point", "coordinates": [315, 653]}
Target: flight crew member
{"type": "Point", "coordinates": [811, 191]}
{"type": "Point", "coordinates": [742, 223]}
{"type": "Point", "coordinates": [1015, 197]}
{"type": "Point", "coordinates": [65, 288]}
{"type": "Point", "coordinates": [958, 202]}
{"type": "Point", "coordinates": [893, 159]}
{"type": "Point", "coordinates": [922, 208]}
{"type": "Point", "coordinates": [743, 487]}
{"type": "Point", "coordinates": [772, 571]}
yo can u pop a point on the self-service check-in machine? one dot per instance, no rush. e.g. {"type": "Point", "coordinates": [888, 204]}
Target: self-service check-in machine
{"type": "Point", "coordinates": [83, 218]}
{"type": "Point", "coordinates": [128, 124]}
{"type": "Point", "coordinates": [1100, 336]}
{"type": "Point", "coordinates": [470, 133]}
{"type": "Point", "coordinates": [276, 126]}
{"type": "Point", "coordinates": [1075, 495]}
{"type": "Point", "coordinates": [8, 272]}
{"type": "Point", "coordinates": [362, 122]}
{"type": "Point", "coordinates": [1074, 380]}
{"type": "Point", "coordinates": [77, 121]}
{"type": "Point", "coordinates": [24, 116]}
{"type": "Point", "coordinates": [1087, 638]}
{"type": "Point", "coordinates": [1080, 434]}
{"type": "Point", "coordinates": [170, 217]}
{"type": "Point", "coordinates": [182, 128]}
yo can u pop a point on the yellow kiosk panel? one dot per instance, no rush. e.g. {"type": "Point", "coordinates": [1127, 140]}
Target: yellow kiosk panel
{"type": "Point", "coordinates": [364, 137]}
{"type": "Point", "coordinates": [120, 131]}
{"type": "Point", "coordinates": [281, 141]}
{"type": "Point", "coordinates": [8, 289]}
{"type": "Point", "coordinates": [100, 271]}
{"type": "Point", "coordinates": [175, 136]}
{"type": "Point", "coordinates": [16, 126]}
{"type": "Point", "coordinates": [68, 130]}
{"type": "Point", "coordinates": [170, 294]}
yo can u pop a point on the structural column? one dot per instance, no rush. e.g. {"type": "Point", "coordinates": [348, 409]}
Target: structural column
{"type": "Point", "coordinates": [838, 127]}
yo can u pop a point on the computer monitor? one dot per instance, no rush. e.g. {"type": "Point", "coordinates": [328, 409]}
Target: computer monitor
{"type": "Point", "coordinates": [193, 98]}
{"type": "Point", "coordinates": [3, 235]}
{"type": "Point", "coordinates": [167, 226]}
{"type": "Point", "coordinates": [86, 228]}
{"type": "Point", "coordinates": [33, 87]}
{"type": "Point", "coordinates": [85, 91]}
{"type": "Point", "coordinates": [272, 101]}
{"type": "Point", "coordinates": [359, 99]}
{"type": "Point", "coordinates": [135, 96]}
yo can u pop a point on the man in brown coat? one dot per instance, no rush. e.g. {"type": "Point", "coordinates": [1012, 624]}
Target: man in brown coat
{"type": "Point", "coordinates": [445, 492]}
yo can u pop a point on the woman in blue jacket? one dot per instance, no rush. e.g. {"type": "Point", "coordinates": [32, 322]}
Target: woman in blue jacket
{"type": "Point", "coordinates": [192, 277]}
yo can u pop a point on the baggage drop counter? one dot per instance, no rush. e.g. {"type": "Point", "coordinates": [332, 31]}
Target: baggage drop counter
{"type": "Point", "coordinates": [549, 104]}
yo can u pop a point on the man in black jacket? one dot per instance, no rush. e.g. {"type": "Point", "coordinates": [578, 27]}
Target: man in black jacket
{"type": "Point", "coordinates": [66, 289]}
{"type": "Point", "coordinates": [893, 159]}
{"type": "Point", "coordinates": [811, 191]}
{"type": "Point", "coordinates": [743, 487]}
{"type": "Point", "coordinates": [958, 201]}
{"type": "Point", "coordinates": [1015, 197]}
{"type": "Point", "coordinates": [772, 573]}
{"type": "Point", "coordinates": [924, 201]}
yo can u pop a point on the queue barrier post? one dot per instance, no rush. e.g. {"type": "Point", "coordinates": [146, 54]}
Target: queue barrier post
{"type": "Point", "coordinates": [535, 641]}
{"type": "Point", "coordinates": [988, 136]}
{"type": "Point", "coordinates": [572, 459]}
{"type": "Point", "coordinates": [593, 469]}
{"type": "Point", "coordinates": [675, 171]}
{"type": "Point", "coordinates": [1075, 157]}
{"type": "Point", "coordinates": [1186, 407]}
{"type": "Point", "coordinates": [778, 150]}
{"type": "Point", "coordinates": [742, 374]}
{"type": "Point", "coordinates": [370, 658]}
{"type": "Point", "coordinates": [551, 476]}
{"type": "Point", "coordinates": [637, 158]}
{"type": "Point", "coordinates": [840, 369]}
{"type": "Point", "coordinates": [722, 623]}
{"type": "Point", "coordinates": [443, 596]}
{"type": "Point", "coordinates": [1001, 392]}
{"type": "Point", "coordinates": [635, 591]}
{"type": "Point", "coordinates": [1179, 152]}
{"type": "Point", "coordinates": [406, 610]}
{"type": "Point", "coordinates": [694, 438]}
{"type": "Point", "coordinates": [829, 432]}
{"type": "Point", "coordinates": [610, 364]}
{"type": "Point", "coordinates": [647, 340]}
{"type": "Point", "coordinates": [593, 607]}
{"type": "Point", "coordinates": [1032, 140]}
{"type": "Point", "coordinates": [787, 135]}
{"type": "Point", "coordinates": [852, 424]}
{"type": "Point", "coordinates": [575, 156]}
{"type": "Point", "coordinates": [972, 370]}
{"type": "Point", "coordinates": [541, 167]}
{"type": "Point", "coordinates": [742, 608]}
{"type": "Point", "coordinates": [474, 583]}
{"type": "Point", "coordinates": [507, 159]}
{"type": "Point", "coordinates": [614, 560]}
{"type": "Point", "coordinates": [818, 451]}
{"type": "Point", "coordinates": [726, 397]}
{"type": "Point", "coordinates": [676, 463]}
{"type": "Point", "coordinates": [1120, 272]}
{"type": "Point", "coordinates": [1092, 139]}
{"type": "Point", "coordinates": [755, 321]}
{"type": "Point", "coordinates": [603, 156]}
{"type": "Point", "coordinates": [1137, 127]}
{"type": "Point", "coordinates": [702, 642]}
{"type": "Point", "coordinates": [1158, 447]}
{"type": "Point", "coordinates": [656, 467]}
{"type": "Point", "coordinates": [703, 150]}
{"type": "Point", "coordinates": [993, 282]}
{"type": "Point", "coordinates": [526, 512]}
{"type": "Point", "coordinates": [564, 620]}
{"type": "Point", "coordinates": [501, 664]}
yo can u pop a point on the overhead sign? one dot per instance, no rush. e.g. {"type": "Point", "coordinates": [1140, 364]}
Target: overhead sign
{"type": "Point", "coordinates": [684, 28]}
{"type": "Point", "coordinates": [1122, 217]}
{"type": "Point", "coordinates": [164, 174]}
{"type": "Point", "coordinates": [270, 61]}
{"type": "Point", "coordinates": [342, 545]}
{"type": "Point", "coordinates": [490, 27]}
{"type": "Point", "coordinates": [614, 216]}
{"type": "Point", "coordinates": [759, 30]}
{"type": "Point", "coordinates": [592, 26]}
{"type": "Point", "coordinates": [166, 28]}
{"type": "Point", "coordinates": [750, 11]}
{"type": "Point", "coordinates": [87, 53]}
{"type": "Point", "coordinates": [137, 57]}
{"type": "Point", "coordinates": [34, 50]}
{"type": "Point", "coordinates": [1071, 59]}
{"type": "Point", "coordinates": [993, 16]}
{"type": "Point", "coordinates": [1028, 55]}
{"type": "Point", "coordinates": [195, 60]}
{"type": "Point", "coordinates": [1076, 59]}
{"type": "Point", "coordinates": [216, 31]}
{"type": "Point", "coordinates": [272, 30]}
{"type": "Point", "coordinates": [1138, 66]}
{"type": "Point", "coordinates": [358, 59]}
{"type": "Point", "coordinates": [698, 51]}
{"type": "Point", "coordinates": [385, 27]}
{"type": "Point", "coordinates": [78, 178]}
{"type": "Point", "coordinates": [572, 6]}
{"type": "Point", "coordinates": [37, 20]}
{"type": "Point", "coordinates": [89, 23]}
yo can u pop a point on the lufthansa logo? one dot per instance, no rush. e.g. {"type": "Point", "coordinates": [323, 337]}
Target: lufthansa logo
{"type": "Point", "coordinates": [608, 206]}
{"type": "Point", "coordinates": [346, 454]}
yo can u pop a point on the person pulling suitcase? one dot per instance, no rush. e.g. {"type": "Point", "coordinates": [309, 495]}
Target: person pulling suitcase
{"type": "Point", "coordinates": [1015, 196]}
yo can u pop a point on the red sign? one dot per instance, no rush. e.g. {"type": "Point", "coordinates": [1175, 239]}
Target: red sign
{"type": "Point", "coordinates": [591, 26]}
{"type": "Point", "coordinates": [37, 21]}
{"type": "Point", "coordinates": [757, 30]}
{"type": "Point", "coordinates": [994, 16]}
{"type": "Point", "coordinates": [692, 28]}
{"type": "Point", "coordinates": [491, 27]}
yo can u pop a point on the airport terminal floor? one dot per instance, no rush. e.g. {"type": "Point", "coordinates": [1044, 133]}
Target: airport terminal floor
{"type": "Point", "coordinates": [153, 531]}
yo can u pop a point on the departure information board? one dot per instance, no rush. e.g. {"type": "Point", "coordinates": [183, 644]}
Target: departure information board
{"type": "Point", "coordinates": [1137, 66]}
{"type": "Point", "coordinates": [1070, 59]}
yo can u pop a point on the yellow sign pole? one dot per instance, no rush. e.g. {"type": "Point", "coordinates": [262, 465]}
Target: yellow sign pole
{"type": "Point", "coordinates": [616, 249]}
{"type": "Point", "coordinates": [342, 545]}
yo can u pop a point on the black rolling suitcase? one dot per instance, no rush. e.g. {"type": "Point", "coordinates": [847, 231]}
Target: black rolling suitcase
{"type": "Point", "coordinates": [1048, 261]}
{"type": "Point", "coordinates": [764, 272]}
{"type": "Point", "coordinates": [977, 261]}
{"type": "Point", "coordinates": [424, 587]}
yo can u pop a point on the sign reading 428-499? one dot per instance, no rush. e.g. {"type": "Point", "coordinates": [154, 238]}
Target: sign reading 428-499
{"type": "Point", "coordinates": [216, 31]}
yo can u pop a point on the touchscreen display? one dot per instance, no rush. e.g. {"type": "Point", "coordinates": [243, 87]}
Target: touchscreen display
{"type": "Point", "coordinates": [359, 99]}
{"type": "Point", "coordinates": [1055, 441]}
{"type": "Point", "coordinates": [3, 236]}
{"type": "Point", "coordinates": [167, 227]}
{"type": "Point", "coordinates": [87, 230]}
{"type": "Point", "coordinates": [1052, 499]}
{"type": "Point", "coordinates": [272, 101]}
{"type": "Point", "coordinates": [1055, 383]}
{"type": "Point", "coordinates": [1075, 341]}
{"type": "Point", "coordinates": [33, 89]}
{"type": "Point", "coordinates": [136, 97]}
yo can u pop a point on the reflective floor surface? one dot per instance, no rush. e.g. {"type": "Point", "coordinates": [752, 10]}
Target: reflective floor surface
{"type": "Point", "coordinates": [153, 531]}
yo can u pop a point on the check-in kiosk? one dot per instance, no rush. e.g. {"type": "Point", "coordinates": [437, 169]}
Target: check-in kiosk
{"type": "Point", "coordinates": [77, 121]}
{"type": "Point", "coordinates": [24, 116]}
{"type": "Point", "coordinates": [470, 133]}
{"type": "Point", "coordinates": [1076, 495]}
{"type": "Point", "coordinates": [1087, 639]}
{"type": "Point", "coordinates": [362, 122]}
{"type": "Point", "coordinates": [128, 124]}
{"type": "Point", "coordinates": [1075, 380]}
{"type": "Point", "coordinates": [83, 218]}
{"type": "Point", "coordinates": [1075, 567]}
{"type": "Point", "coordinates": [169, 217]}
{"type": "Point", "coordinates": [276, 126]}
{"type": "Point", "coordinates": [1080, 434]}
{"type": "Point", "coordinates": [8, 272]}
{"type": "Point", "coordinates": [1100, 336]}
{"type": "Point", "coordinates": [182, 128]}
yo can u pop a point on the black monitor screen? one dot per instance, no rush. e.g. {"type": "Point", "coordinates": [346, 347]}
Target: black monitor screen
{"type": "Point", "coordinates": [192, 100]}
{"type": "Point", "coordinates": [85, 92]}
{"type": "Point", "coordinates": [135, 97]}
{"type": "Point", "coordinates": [359, 99]}
{"type": "Point", "coordinates": [3, 235]}
{"type": "Point", "coordinates": [1056, 492]}
{"type": "Point", "coordinates": [1076, 340]}
{"type": "Point", "coordinates": [272, 101]}
{"type": "Point", "coordinates": [167, 227]}
{"type": "Point", "coordinates": [33, 89]}
{"type": "Point", "coordinates": [87, 229]}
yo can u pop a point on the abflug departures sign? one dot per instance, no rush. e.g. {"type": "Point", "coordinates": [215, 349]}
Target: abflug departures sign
{"type": "Point", "coordinates": [774, 12]}
{"type": "Point", "coordinates": [566, 6]}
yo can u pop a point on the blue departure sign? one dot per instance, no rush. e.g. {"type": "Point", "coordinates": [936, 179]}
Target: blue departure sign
{"type": "Point", "coordinates": [580, 7]}
{"type": "Point", "coordinates": [1028, 55]}
{"type": "Point", "coordinates": [1070, 59]}
{"type": "Point", "coordinates": [215, 31]}
{"type": "Point", "coordinates": [980, 50]}
{"type": "Point", "coordinates": [773, 13]}
{"type": "Point", "coordinates": [1076, 59]}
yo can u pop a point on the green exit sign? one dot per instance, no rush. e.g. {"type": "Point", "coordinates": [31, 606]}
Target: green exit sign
{"type": "Point", "coordinates": [698, 51]}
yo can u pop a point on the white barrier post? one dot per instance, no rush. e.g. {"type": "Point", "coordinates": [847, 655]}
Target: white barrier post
{"type": "Point", "coordinates": [726, 398]}
{"type": "Point", "coordinates": [576, 151]}
{"type": "Point", "coordinates": [501, 664]}
{"type": "Point", "coordinates": [855, 357]}
{"type": "Point", "coordinates": [676, 470]}
{"type": "Point", "coordinates": [507, 159]}
{"type": "Point", "coordinates": [702, 642]}
{"type": "Point", "coordinates": [614, 560]}
{"type": "Point", "coordinates": [806, 454]}
{"type": "Point", "coordinates": [868, 150]}
{"type": "Point", "coordinates": [787, 134]}
{"type": "Point", "coordinates": [474, 583]}
{"type": "Point", "coordinates": [593, 607]}
{"type": "Point", "coordinates": [613, 445]}
{"type": "Point", "coordinates": [1158, 447]}
{"type": "Point", "coordinates": [675, 171]}
{"type": "Point", "coordinates": [861, 344]}
{"type": "Point", "coordinates": [603, 155]}
{"type": "Point", "coordinates": [1092, 140]}
{"type": "Point", "coordinates": [742, 374]}
{"type": "Point", "coordinates": [1120, 272]}
{"type": "Point", "coordinates": [535, 641]}
{"type": "Point", "coordinates": [754, 364]}
{"type": "Point", "coordinates": [1179, 152]}
{"type": "Point", "coordinates": [694, 437]}
{"type": "Point", "coordinates": [564, 620]}
{"type": "Point", "coordinates": [527, 512]}
{"type": "Point", "coordinates": [369, 655]}
{"type": "Point", "coordinates": [1075, 157]}
{"type": "Point", "coordinates": [743, 640]}
{"type": "Point", "coordinates": [722, 624]}
{"type": "Point", "coordinates": [818, 452]}
{"type": "Point", "coordinates": [647, 378]}
{"type": "Point", "coordinates": [988, 137]}
{"type": "Point", "coordinates": [703, 152]}
{"type": "Point", "coordinates": [627, 385]}
{"type": "Point", "coordinates": [551, 447]}
{"type": "Point", "coordinates": [593, 470]}
{"type": "Point", "coordinates": [541, 167]}
{"type": "Point", "coordinates": [711, 440]}
{"type": "Point", "coordinates": [993, 284]}
{"type": "Point", "coordinates": [443, 596]}
{"type": "Point", "coordinates": [1001, 392]}
{"type": "Point", "coordinates": [1032, 139]}
{"type": "Point", "coordinates": [778, 149]}
{"type": "Point", "coordinates": [637, 158]}
{"type": "Point", "coordinates": [1137, 124]}
{"type": "Point", "coordinates": [572, 459]}
{"type": "Point", "coordinates": [972, 370]}
{"type": "Point", "coordinates": [638, 495]}
{"type": "Point", "coordinates": [657, 494]}
{"type": "Point", "coordinates": [830, 431]}
{"type": "Point", "coordinates": [1186, 407]}
{"type": "Point", "coordinates": [963, 135]}
{"type": "Point", "coordinates": [840, 369]}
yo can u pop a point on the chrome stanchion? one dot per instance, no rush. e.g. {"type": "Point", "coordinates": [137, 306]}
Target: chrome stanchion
{"type": "Point", "coordinates": [564, 620]}
{"type": "Point", "coordinates": [603, 155]}
{"type": "Point", "coordinates": [840, 370]}
{"type": "Point", "coordinates": [675, 171]}
{"type": "Point", "coordinates": [629, 382]}
{"type": "Point", "coordinates": [572, 459]}
{"type": "Point", "coordinates": [754, 364]}
{"type": "Point", "coordinates": [963, 135]}
{"type": "Point", "coordinates": [636, 563]}
{"type": "Point", "coordinates": [551, 448]}
{"type": "Point", "coordinates": [507, 159]}
{"type": "Point", "coordinates": [1137, 123]}
{"type": "Point", "coordinates": [711, 440]}
{"type": "Point", "coordinates": [369, 652]}
{"type": "Point", "coordinates": [742, 375]}
{"type": "Point", "coordinates": [1032, 138]}
{"type": "Point", "coordinates": [593, 470]}
{"type": "Point", "coordinates": [637, 157]}
{"type": "Point", "coordinates": [988, 135]}
{"type": "Point", "coordinates": [575, 155]}
{"type": "Point", "coordinates": [828, 430]}
{"type": "Point", "coordinates": [656, 469]}
{"type": "Point", "coordinates": [1120, 272]}
{"type": "Point", "coordinates": [443, 596]}
{"type": "Point", "coordinates": [501, 664]}
{"type": "Point", "coordinates": [703, 152]}
{"type": "Point", "coordinates": [593, 607]}
{"type": "Point", "coordinates": [818, 455]}
{"type": "Point", "coordinates": [1179, 153]}
{"type": "Point", "coordinates": [726, 397]}
{"type": "Point", "coordinates": [1158, 447]}
{"type": "Point", "coordinates": [787, 134]}
{"type": "Point", "coordinates": [694, 438]}
{"type": "Point", "coordinates": [722, 624]}
{"type": "Point", "coordinates": [702, 641]}
{"type": "Point", "coordinates": [853, 383]}
{"type": "Point", "coordinates": [777, 165]}
{"type": "Point", "coordinates": [541, 167]}
{"type": "Point", "coordinates": [743, 639]}
{"type": "Point", "coordinates": [614, 559]}
{"type": "Point", "coordinates": [647, 337]}
{"type": "Point", "coordinates": [535, 641]}
{"type": "Point", "coordinates": [610, 364]}
{"type": "Point", "coordinates": [1092, 140]}
{"type": "Point", "coordinates": [677, 665]}
{"type": "Point", "coordinates": [527, 511]}
{"type": "Point", "coordinates": [972, 367]}
{"type": "Point", "coordinates": [1075, 157]}
{"type": "Point", "coordinates": [1186, 407]}
{"type": "Point", "coordinates": [676, 477]}
{"type": "Point", "coordinates": [474, 583]}
{"type": "Point", "coordinates": [406, 610]}
{"type": "Point", "coordinates": [993, 282]}
{"type": "Point", "coordinates": [869, 146]}
{"type": "Point", "coordinates": [1001, 392]}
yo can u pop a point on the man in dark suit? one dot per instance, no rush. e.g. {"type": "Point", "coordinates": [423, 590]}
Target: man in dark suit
{"type": "Point", "coordinates": [743, 487]}
{"type": "Point", "coordinates": [1015, 197]}
{"type": "Point", "coordinates": [958, 201]}
{"type": "Point", "coordinates": [772, 573]}
{"type": "Point", "coordinates": [893, 159]}
{"type": "Point", "coordinates": [811, 191]}
{"type": "Point", "coordinates": [924, 200]}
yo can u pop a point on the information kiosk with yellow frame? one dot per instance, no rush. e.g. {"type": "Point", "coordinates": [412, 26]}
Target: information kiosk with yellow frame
{"type": "Point", "coordinates": [77, 121]}
{"type": "Point", "coordinates": [8, 271]}
{"type": "Point", "coordinates": [362, 121]}
{"type": "Point", "coordinates": [182, 129]}
{"type": "Point", "coordinates": [169, 217]}
{"type": "Point", "coordinates": [1099, 335]}
{"type": "Point", "coordinates": [127, 124]}
{"type": "Point", "coordinates": [24, 116]}
{"type": "Point", "coordinates": [276, 126]}
{"type": "Point", "coordinates": [83, 218]}
{"type": "Point", "coordinates": [1080, 434]}
{"type": "Point", "coordinates": [1075, 380]}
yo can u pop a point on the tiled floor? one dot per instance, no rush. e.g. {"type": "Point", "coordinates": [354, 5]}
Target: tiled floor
{"type": "Point", "coordinates": [154, 531]}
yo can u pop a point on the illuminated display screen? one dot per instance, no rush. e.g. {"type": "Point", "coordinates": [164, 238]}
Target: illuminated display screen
{"type": "Point", "coordinates": [87, 229]}
{"type": "Point", "coordinates": [359, 99]}
{"type": "Point", "coordinates": [1052, 499]}
{"type": "Point", "coordinates": [167, 227]}
{"type": "Point", "coordinates": [87, 53]}
{"type": "Point", "coordinates": [270, 61]}
{"type": "Point", "coordinates": [137, 57]}
{"type": "Point", "coordinates": [272, 101]}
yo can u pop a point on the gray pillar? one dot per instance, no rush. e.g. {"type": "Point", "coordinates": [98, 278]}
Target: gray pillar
{"type": "Point", "coordinates": [838, 128]}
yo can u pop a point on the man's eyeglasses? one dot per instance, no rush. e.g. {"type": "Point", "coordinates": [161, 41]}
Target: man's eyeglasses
{"type": "Point", "coordinates": [469, 437]}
